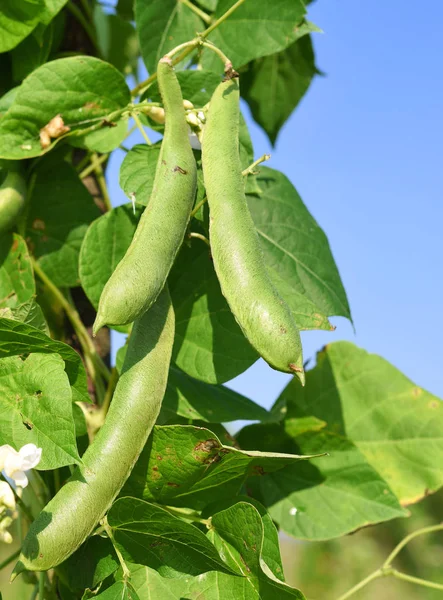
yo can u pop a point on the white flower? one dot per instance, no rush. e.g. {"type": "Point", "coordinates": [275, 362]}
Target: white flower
{"type": "Point", "coordinates": [6, 496]}
{"type": "Point", "coordinates": [14, 463]}
{"type": "Point", "coordinates": [195, 142]}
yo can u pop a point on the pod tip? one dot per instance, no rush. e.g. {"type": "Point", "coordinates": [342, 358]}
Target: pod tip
{"type": "Point", "coordinates": [298, 372]}
{"type": "Point", "coordinates": [19, 568]}
{"type": "Point", "coordinates": [98, 324]}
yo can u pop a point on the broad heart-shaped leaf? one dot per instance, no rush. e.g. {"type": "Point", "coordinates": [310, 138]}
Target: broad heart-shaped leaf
{"type": "Point", "coordinates": [242, 537]}
{"type": "Point", "coordinates": [83, 90]}
{"type": "Point", "coordinates": [188, 466]}
{"type": "Point", "coordinates": [149, 535]}
{"type": "Point", "coordinates": [254, 30]}
{"type": "Point", "coordinates": [209, 345]}
{"type": "Point", "coordinates": [104, 245]}
{"type": "Point", "coordinates": [59, 213]}
{"type": "Point", "coordinates": [19, 338]}
{"type": "Point", "coordinates": [275, 84]}
{"type": "Point", "coordinates": [137, 172]}
{"type": "Point", "coordinates": [121, 590]}
{"type": "Point", "coordinates": [36, 407]}
{"type": "Point", "coordinates": [162, 25]}
{"type": "Point", "coordinates": [297, 253]}
{"type": "Point", "coordinates": [17, 19]}
{"type": "Point", "coordinates": [395, 424]}
{"type": "Point", "coordinates": [193, 399]}
{"type": "Point", "coordinates": [89, 565]}
{"type": "Point", "coordinates": [17, 283]}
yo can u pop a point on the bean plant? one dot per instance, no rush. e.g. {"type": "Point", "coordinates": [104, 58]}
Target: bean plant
{"type": "Point", "coordinates": [121, 481]}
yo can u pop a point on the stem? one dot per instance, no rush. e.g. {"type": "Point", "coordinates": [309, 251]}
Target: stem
{"type": "Point", "coordinates": [187, 515]}
{"type": "Point", "coordinates": [77, 13]}
{"type": "Point", "coordinates": [198, 207]}
{"type": "Point", "coordinates": [72, 314]}
{"type": "Point", "coordinates": [10, 559]}
{"type": "Point", "coordinates": [203, 16]}
{"type": "Point", "coordinates": [41, 586]}
{"type": "Point", "coordinates": [408, 538]}
{"type": "Point", "coordinates": [250, 170]}
{"type": "Point", "coordinates": [142, 129]}
{"type": "Point", "coordinates": [375, 575]}
{"type": "Point", "coordinates": [87, 170]}
{"type": "Point", "coordinates": [87, 8]}
{"type": "Point", "coordinates": [83, 162]}
{"type": "Point", "coordinates": [25, 509]}
{"type": "Point", "coordinates": [199, 236]}
{"type": "Point", "coordinates": [416, 580]}
{"type": "Point", "coordinates": [141, 87]}
{"type": "Point", "coordinates": [101, 181]}
{"type": "Point", "coordinates": [194, 44]}
{"type": "Point", "coordinates": [126, 571]}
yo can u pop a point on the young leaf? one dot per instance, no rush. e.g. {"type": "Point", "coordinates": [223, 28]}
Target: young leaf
{"type": "Point", "coordinates": [297, 253]}
{"type": "Point", "coordinates": [36, 407]}
{"type": "Point", "coordinates": [148, 535]}
{"type": "Point", "coordinates": [252, 31]}
{"type": "Point", "coordinates": [189, 466]}
{"type": "Point", "coordinates": [17, 284]}
{"type": "Point", "coordinates": [83, 90]}
{"type": "Point", "coordinates": [162, 25]}
{"type": "Point", "coordinates": [274, 85]}
{"type": "Point", "coordinates": [394, 423]}
{"type": "Point", "coordinates": [59, 213]}
{"type": "Point", "coordinates": [19, 338]}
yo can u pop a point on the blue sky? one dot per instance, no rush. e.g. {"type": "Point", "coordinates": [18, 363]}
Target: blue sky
{"type": "Point", "coordinates": [364, 150]}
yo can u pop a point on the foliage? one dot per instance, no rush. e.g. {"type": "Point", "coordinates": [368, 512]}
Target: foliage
{"type": "Point", "coordinates": [201, 510]}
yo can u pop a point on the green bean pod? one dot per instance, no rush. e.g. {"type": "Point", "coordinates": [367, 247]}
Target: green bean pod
{"type": "Point", "coordinates": [142, 272]}
{"type": "Point", "coordinates": [12, 200]}
{"type": "Point", "coordinates": [262, 314]}
{"type": "Point", "coordinates": [70, 517]}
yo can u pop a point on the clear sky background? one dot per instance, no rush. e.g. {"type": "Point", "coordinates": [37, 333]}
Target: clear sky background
{"type": "Point", "coordinates": [364, 149]}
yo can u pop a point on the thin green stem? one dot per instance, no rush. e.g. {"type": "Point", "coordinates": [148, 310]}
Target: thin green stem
{"type": "Point", "coordinates": [257, 162]}
{"type": "Point", "coordinates": [417, 580]}
{"type": "Point", "coordinates": [87, 8]}
{"type": "Point", "coordinates": [408, 538]}
{"type": "Point", "coordinates": [88, 170]}
{"type": "Point", "coordinates": [23, 507]}
{"type": "Point", "coordinates": [35, 592]}
{"type": "Point", "coordinates": [142, 86]}
{"type": "Point", "coordinates": [187, 515]}
{"type": "Point", "coordinates": [199, 236]}
{"type": "Point", "coordinates": [198, 206]}
{"type": "Point", "coordinates": [83, 162]}
{"type": "Point", "coordinates": [142, 129]}
{"type": "Point", "coordinates": [10, 559]}
{"type": "Point", "coordinates": [77, 13]}
{"type": "Point", "coordinates": [198, 11]}
{"type": "Point", "coordinates": [41, 586]}
{"type": "Point", "coordinates": [126, 571]}
{"type": "Point", "coordinates": [101, 181]}
{"type": "Point", "coordinates": [375, 575]}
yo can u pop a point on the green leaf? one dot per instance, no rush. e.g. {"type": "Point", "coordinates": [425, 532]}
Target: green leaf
{"type": "Point", "coordinates": [253, 31]}
{"type": "Point", "coordinates": [117, 40]}
{"type": "Point", "coordinates": [125, 9]}
{"type": "Point", "coordinates": [394, 423]}
{"type": "Point", "coordinates": [325, 498]}
{"type": "Point", "coordinates": [18, 338]}
{"type": "Point", "coordinates": [209, 345]}
{"type": "Point", "coordinates": [182, 465]}
{"type": "Point", "coordinates": [36, 407]}
{"type": "Point", "coordinates": [297, 253]}
{"type": "Point", "coordinates": [7, 100]}
{"type": "Point", "coordinates": [17, 284]}
{"type": "Point", "coordinates": [89, 565]}
{"type": "Point", "coordinates": [104, 245]}
{"type": "Point", "coordinates": [29, 312]}
{"type": "Point", "coordinates": [210, 5]}
{"type": "Point", "coordinates": [122, 590]}
{"type": "Point", "coordinates": [17, 19]}
{"type": "Point", "coordinates": [137, 172]}
{"type": "Point", "coordinates": [59, 213]}
{"type": "Point", "coordinates": [274, 85]}
{"type": "Point", "coordinates": [162, 25]}
{"type": "Point", "coordinates": [31, 52]}
{"type": "Point", "coordinates": [82, 89]}
{"type": "Point", "coordinates": [52, 8]}
{"type": "Point", "coordinates": [148, 535]}
{"type": "Point", "coordinates": [105, 139]}
{"type": "Point", "coordinates": [193, 399]}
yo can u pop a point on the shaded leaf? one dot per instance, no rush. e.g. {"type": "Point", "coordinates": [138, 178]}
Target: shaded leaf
{"type": "Point", "coordinates": [59, 213]}
{"type": "Point", "coordinates": [31, 52]}
{"type": "Point", "coordinates": [149, 535]}
{"type": "Point", "coordinates": [29, 312]}
{"type": "Point", "coordinates": [137, 172]}
{"type": "Point", "coordinates": [82, 89]}
{"type": "Point", "coordinates": [117, 40]}
{"type": "Point", "coordinates": [36, 407]}
{"type": "Point", "coordinates": [17, 284]}
{"type": "Point", "coordinates": [122, 590]}
{"type": "Point", "coordinates": [17, 19]}
{"type": "Point", "coordinates": [18, 338]}
{"type": "Point", "coordinates": [297, 253]}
